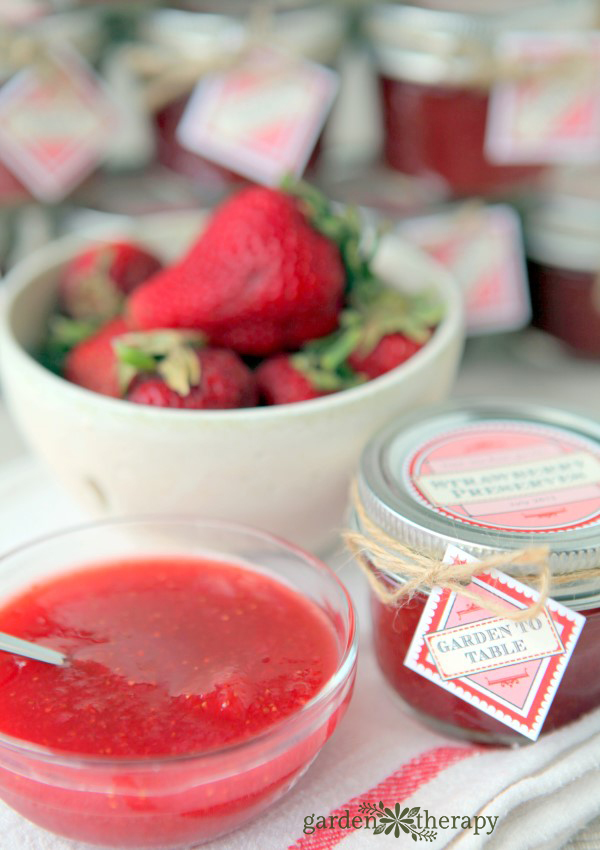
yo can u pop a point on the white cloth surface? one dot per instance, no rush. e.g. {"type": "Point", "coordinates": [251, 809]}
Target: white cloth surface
{"type": "Point", "coordinates": [543, 794]}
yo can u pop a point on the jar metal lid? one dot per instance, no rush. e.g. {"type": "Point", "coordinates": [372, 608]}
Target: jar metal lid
{"type": "Point", "coordinates": [562, 227]}
{"type": "Point", "coordinates": [488, 477]}
{"type": "Point", "coordinates": [315, 31]}
{"type": "Point", "coordinates": [448, 41]}
{"type": "Point", "coordinates": [240, 7]}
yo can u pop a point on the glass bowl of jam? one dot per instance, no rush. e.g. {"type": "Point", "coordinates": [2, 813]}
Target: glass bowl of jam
{"type": "Point", "coordinates": [486, 477]}
{"type": "Point", "coordinates": [435, 61]}
{"type": "Point", "coordinates": [207, 666]}
{"type": "Point", "coordinates": [562, 231]}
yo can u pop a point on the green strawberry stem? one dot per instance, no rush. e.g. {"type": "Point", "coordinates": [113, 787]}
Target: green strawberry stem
{"type": "Point", "coordinates": [374, 310]}
{"type": "Point", "coordinates": [344, 227]}
{"type": "Point", "coordinates": [324, 379]}
{"type": "Point", "coordinates": [130, 356]}
{"type": "Point", "coordinates": [70, 332]}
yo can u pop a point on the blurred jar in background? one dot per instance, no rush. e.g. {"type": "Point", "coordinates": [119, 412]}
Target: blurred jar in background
{"type": "Point", "coordinates": [562, 235]}
{"type": "Point", "coordinates": [206, 33]}
{"type": "Point", "coordinates": [30, 35]}
{"type": "Point", "coordinates": [436, 63]}
{"type": "Point", "coordinates": [384, 196]}
{"type": "Point", "coordinates": [113, 203]}
{"type": "Point", "coordinates": [31, 29]}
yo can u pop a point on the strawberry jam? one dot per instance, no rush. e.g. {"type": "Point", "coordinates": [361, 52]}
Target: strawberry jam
{"type": "Point", "coordinates": [439, 130]}
{"type": "Point", "coordinates": [169, 657]}
{"type": "Point", "coordinates": [393, 630]}
{"type": "Point", "coordinates": [464, 481]}
{"type": "Point", "coordinates": [438, 63]}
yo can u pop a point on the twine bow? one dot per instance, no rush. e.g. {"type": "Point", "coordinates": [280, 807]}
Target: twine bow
{"type": "Point", "coordinates": [382, 558]}
{"type": "Point", "coordinates": [20, 50]}
{"type": "Point", "coordinates": [165, 75]}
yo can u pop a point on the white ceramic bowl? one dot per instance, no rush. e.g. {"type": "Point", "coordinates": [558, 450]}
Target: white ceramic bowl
{"type": "Point", "coordinates": [284, 469]}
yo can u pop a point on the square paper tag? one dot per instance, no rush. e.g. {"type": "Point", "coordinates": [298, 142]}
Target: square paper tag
{"type": "Point", "coordinates": [508, 669]}
{"type": "Point", "coordinates": [56, 121]}
{"type": "Point", "coordinates": [482, 247]}
{"type": "Point", "coordinates": [551, 114]}
{"type": "Point", "coordinates": [261, 119]}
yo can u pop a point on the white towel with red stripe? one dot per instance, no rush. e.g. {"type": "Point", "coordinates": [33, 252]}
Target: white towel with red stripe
{"type": "Point", "coordinates": [543, 795]}
{"type": "Point", "coordinates": [538, 797]}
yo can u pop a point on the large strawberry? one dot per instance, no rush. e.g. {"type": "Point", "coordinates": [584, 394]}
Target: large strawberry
{"type": "Point", "coordinates": [259, 280]}
{"type": "Point", "coordinates": [92, 363]}
{"type": "Point", "coordinates": [94, 284]}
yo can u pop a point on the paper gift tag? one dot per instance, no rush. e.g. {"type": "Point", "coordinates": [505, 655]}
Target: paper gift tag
{"type": "Point", "coordinates": [261, 119]}
{"type": "Point", "coordinates": [56, 121]}
{"type": "Point", "coordinates": [510, 670]}
{"type": "Point", "coordinates": [482, 247]}
{"type": "Point", "coordinates": [20, 11]}
{"type": "Point", "coordinates": [553, 113]}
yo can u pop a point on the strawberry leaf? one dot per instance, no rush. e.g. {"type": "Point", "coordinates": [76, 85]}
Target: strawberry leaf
{"type": "Point", "coordinates": [67, 333]}
{"type": "Point", "coordinates": [180, 370]}
{"type": "Point", "coordinates": [63, 335]}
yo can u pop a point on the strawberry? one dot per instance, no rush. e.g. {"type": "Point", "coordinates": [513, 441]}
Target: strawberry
{"type": "Point", "coordinates": [392, 350]}
{"type": "Point", "coordinates": [223, 381]}
{"type": "Point", "coordinates": [92, 363]}
{"type": "Point", "coordinates": [94, 284]}
{"type": "Point", "coordinates": [287, 378]}
{"type": "Point", "coordinates": [281, 382]}
{"type": "Point", "coordinates": [259, 280]}
{"type": "Point", "coordinates": [170, 368]}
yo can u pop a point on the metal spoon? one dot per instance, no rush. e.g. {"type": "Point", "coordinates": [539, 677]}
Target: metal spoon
{"type": "Point", "coordinates": [10, 643]}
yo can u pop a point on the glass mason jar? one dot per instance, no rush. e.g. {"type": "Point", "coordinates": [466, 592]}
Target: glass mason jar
{"type": "Point", "coordinates": [436, 65]}
{"type": "Point", "coordinates": [488, 450]}
{"type": "Point", "coordinates": [215, 29]}
{"type": "Point", "coordinates": [562, 234]}
{"type": "Point", "coordinates": [78, 30]}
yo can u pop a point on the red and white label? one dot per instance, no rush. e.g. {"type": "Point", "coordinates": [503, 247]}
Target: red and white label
{"type": "Point", "coordinates": [482, 247]}
{"type": "Point", "coordinates": [509, 475]}
{"type": "Point", "coordinates": [553, 113]}
{"type": "Point", "coordinates": [56, 122]}
{"type": "Point", "coordinates": [506, 668]}
{"type": "Point", "coordinates": [262, 119]}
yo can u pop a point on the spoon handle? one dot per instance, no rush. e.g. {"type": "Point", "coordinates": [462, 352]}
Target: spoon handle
{"type": "Point", "coordinates": [9, 643]}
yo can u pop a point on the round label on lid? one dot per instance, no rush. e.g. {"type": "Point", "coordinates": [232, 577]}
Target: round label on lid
{"type": "Point", "coordinates": [508, 475]}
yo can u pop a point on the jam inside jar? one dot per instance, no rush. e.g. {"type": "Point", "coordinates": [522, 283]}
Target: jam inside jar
{"type": "Point", "coordinates": [437, 63]}
{"type": "Point", "coordinates": [562, 233]}
{"type": "Point", "coordinates": [393, 630]}
{"type": "Point", "coordinates": [437, 130]}
{"type": "Point", "coordinates": [487, 478]}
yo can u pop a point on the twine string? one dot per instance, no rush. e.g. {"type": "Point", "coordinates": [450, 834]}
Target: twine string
{"type": "Point", "coordinates": [20, 50]}
{"type": "Point", "coordinates": [166, 75]}
{"type": "Point", "coordinates": [383, 558]}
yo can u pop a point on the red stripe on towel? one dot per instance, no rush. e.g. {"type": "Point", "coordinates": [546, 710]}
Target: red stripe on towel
{"type": "Point", "coordinates": [394, 789]}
